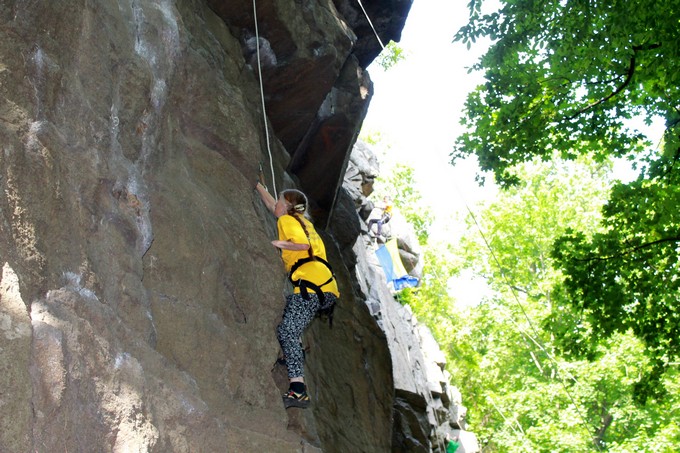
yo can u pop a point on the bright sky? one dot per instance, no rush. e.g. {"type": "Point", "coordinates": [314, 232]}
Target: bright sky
{"type": "Point", "coordinates": [418, 103]}
{"type": "Point", "coordinates": [417, 106]}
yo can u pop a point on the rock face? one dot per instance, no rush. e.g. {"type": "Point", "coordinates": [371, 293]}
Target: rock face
{"type": "Point", "coordinates": [139, 291]}
{"type": "Point", "coordinates": [427, 406]}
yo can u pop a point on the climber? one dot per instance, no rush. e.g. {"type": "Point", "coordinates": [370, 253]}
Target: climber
{"type": "Point", "coordinates": [384, 218]}
{"type": "Point", "coordinates": [452, 444]}
{"type": "Point", "coordinates": [304, 257]}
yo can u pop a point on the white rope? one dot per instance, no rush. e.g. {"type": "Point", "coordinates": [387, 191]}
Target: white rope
{"type": "Point", "coordinates": [371, 24]}
{"type": "Point", "coordinates": [330, 215]}
{"type": "Point", "coordinates": [510, 423]}
{"type": "Point", "coordinates": [259, 73]}
{"type": "Point", "coordinates": [264, 111]}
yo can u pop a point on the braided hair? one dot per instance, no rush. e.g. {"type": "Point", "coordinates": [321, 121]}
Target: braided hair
{"type": "Point", "coordinates": [296, 206]}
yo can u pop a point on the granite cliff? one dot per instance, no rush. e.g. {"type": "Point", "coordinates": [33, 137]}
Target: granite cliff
{"type": "Point", "coordinates": [139, 291]}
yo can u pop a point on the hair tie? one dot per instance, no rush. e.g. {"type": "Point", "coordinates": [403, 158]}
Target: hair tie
{"type": "Point", "coordinates": [299, 207]}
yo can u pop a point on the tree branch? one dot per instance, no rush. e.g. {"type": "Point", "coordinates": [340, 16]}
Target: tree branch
{"type": "Point", "coordinates": [606, 421]}
{"type": "Point", "coordinates": [629, 77]}
{"type": "Point", "coordinates": [630, 250]}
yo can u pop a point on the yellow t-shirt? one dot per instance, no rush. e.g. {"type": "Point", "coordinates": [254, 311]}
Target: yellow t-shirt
{"type": "Point", "coordinates": [314, 271]}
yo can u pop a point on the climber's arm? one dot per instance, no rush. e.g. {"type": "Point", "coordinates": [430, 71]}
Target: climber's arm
{"type": "Point", "coordinates": [287, 245]}
{"type": "Point", "coordinates": [267, 199]}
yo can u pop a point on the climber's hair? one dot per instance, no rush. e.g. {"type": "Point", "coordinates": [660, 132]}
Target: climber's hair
{"type": "Point", "coordinates": [296, 201]}
{"type": "Point", "coordinates": [296, 206]}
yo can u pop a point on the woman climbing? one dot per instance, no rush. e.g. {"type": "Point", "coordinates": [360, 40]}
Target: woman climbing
{"type": "Point", "coordinates": [304, 257]}
{"type": "Point", "coordinates": [383, 219]}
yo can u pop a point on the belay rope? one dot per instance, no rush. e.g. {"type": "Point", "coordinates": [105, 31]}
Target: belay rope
{"type": "Point", "coordinates": [382, 46]}
{"type": "Point", "coordinates": [264, 111]}
{"type": "Point", "coordinates": [259, 73]}
{"type": "Point", "coordinates": [325, 309]}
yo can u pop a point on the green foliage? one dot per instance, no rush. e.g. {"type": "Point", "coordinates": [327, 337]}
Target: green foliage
{"type": "Point", "coordinates": [527, 387]}
{"type": "Point", "coordinates": [565, 76]}
{"type": "Point", "coordinates": [519, 358]}
{"type": "Point", "coordinates": [551, 198]}
{"type": "Point", "coordinates": [516, 376]}
{"type": "Point", "coordinates": [390, 56]}
{"type": "Point", "coordinates": [431, 300]}
{"type": "Point", "coordinates": [626, 277]}
{"type": "Point", "coordinates": [399, 185]}
{"type": "Point", "coordinates": [372, 137]}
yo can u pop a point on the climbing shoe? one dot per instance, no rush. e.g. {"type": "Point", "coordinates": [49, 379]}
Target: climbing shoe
{"type": "Point", "coordinates": [294, 399]}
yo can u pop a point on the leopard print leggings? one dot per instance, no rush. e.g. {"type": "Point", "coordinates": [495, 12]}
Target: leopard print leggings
{"type": "Point", "coordinates": [297, 315]}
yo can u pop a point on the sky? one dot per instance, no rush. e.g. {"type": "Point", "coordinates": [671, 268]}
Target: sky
{"type": "Point", "coordinates": [417, 106]}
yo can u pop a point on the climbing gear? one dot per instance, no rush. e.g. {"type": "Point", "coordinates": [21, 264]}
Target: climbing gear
{"type": "Point", "coordinates": [325, 309]}
{"type": "Point", "coordinates": [382, 46]}
{"type": "Point", "coordinates": [264, 109]}
{"type": "Point", "coordinates": [261, 179]}
{"type": "Point", "coordinates": [294, 399]}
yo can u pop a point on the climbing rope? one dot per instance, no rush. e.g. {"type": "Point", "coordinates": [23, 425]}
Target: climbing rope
{"type": "Point", "coordinates": [510, 423]}
{"type": "Point", "coordinates": [371, 24]}
{"type": "Point", "coordinates": [264, 111]}
{"type": "Point", "coordinates": [382, 46]}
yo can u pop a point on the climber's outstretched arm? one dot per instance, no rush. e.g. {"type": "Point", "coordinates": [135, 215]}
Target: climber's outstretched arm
{"type": "Point", "coordinates": [267, 198]}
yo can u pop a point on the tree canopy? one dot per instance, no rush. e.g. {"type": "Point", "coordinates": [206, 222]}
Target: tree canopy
{"type": "Point", "coordinates": [567, 76]}
{"type": "Point", "coordinates": [517, 356]}
{"type": "Point", "coordinates": [398, 185]}
{"type": "Point", "coordinates": [570, 78]}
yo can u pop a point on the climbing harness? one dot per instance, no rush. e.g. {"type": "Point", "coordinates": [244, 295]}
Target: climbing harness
{"type": "Point", "coordinates": [326, 309]}
{"type": "Point", "coordinates": [264, 111]}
